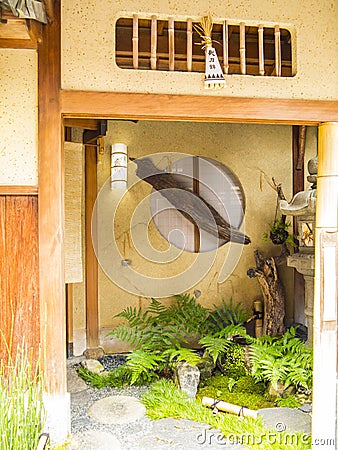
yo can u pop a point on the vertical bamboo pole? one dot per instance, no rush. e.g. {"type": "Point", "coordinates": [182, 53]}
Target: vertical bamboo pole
{"type": "Point", "coordinates": [278, 54]}
{"type": "Point", "coordinates": [225, 47]}
{"type": "Point", "coordinates": [261, 49]}
{"type": "Point", "coordinates": [326, 287]}
{"type": "Point", "coordinates": [189, 45]}
{"type": "Point", "coordinates": [153, 42]}
{"type": "Point", "coordinates": [171, 35]}
{"type": "Point", "coordinates": [242, 47]}
{"type": "Point", "coordinates": [135, 41]}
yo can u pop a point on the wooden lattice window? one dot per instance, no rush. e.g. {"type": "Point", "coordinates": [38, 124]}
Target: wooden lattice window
{"type": "Point", "coordinates": [157, 44]}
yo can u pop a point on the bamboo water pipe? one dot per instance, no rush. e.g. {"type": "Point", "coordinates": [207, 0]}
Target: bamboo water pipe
{"type": "Point", "coordinates": [242, 411]}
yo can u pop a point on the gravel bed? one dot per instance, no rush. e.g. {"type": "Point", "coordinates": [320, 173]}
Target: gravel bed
{"type": "Point", "coordinates": [111, 362]}
{"type": "Point", "coordinates": [81, 422]}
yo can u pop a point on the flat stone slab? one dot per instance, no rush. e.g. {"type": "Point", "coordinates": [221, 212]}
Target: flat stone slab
{"type": "Point", "coordinates": [286, 419]}
{"type": "Point", "coordinates": [74, 382]}
{"type": "Point", "coordinates": [117, 409]}
{"type": "Point", "coordinates": [179, 434]}
{"type": "Point", "coordinates": [98, 440]}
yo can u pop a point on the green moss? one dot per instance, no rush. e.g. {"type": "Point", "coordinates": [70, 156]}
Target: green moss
{"type": "Point", "coordinates": [249, 385]}
{"type": "Point", "coordinates": [232, 363]}
{"type": "Point", "coordinates": [245, 391]}
{"type": "Point", "coordinates": [288, 402]}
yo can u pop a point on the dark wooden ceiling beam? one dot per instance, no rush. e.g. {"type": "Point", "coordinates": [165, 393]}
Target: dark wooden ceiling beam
{"type": "Point", "coordinates": [91, 136]}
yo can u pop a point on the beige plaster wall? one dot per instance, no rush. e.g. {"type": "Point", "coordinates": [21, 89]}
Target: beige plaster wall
{"type": "Point", "coordinates": [88, 58]}
{"type": "Point", "coordinates": [18, 117]}
{"type": "Point", "coordinates": [255, 153]}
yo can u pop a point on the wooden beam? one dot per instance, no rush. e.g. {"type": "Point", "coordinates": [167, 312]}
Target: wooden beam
{"type": "Point", "coordinates": [86, 124]}
{"type": "Point", "coordinates": [196, 107]}
{"type": "Point", "coordinates": [92, 310]}
{"type": "Point", "coordinates": [91, 136]}
{"type": "Point", "coordinates": [17, 43]}
{"type": "Point", "coordinates": [51, 206]}
{"type": "Point", "coordinates": [18, 190]}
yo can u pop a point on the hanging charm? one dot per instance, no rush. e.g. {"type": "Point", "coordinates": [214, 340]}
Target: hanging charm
{"type": "Point", "coordinates": [214, 78]}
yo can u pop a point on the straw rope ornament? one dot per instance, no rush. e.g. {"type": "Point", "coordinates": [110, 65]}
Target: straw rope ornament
{"type": "Point", "coordinates": [214, 78]}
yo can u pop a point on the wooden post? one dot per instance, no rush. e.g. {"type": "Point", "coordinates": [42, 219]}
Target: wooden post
{"type": "Point", "coordinates": [324, 426]}
{"type": "Point", "coordinates": [189, 45]}
{"type": "Point", "coordinates": [92, 314]}
{"type": "Point", "coordinates": [225, 47]}
{"type": "Point", "coordinates": [135, 41]}
{"type": "Point", "coordinates": [171, 38]}
{"type": "Point", "coordinates": [153, 43]}
{"type": "Point", "coordinates": [297, 186]}
{"type": "Point", "coordinates": [261, 49]}
{"type": "Point", "coordinates": [70, 326]}
{"type": "Point", "coordinates": [278, 56]}
{"type": "Point", "coordinates": [51, 231]}
{"type": "Point", "coordinates": [242, 47]}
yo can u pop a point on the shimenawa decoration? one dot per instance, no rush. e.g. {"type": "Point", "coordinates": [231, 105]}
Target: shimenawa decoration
{"type": "Point", "coordinates": [214, 78]}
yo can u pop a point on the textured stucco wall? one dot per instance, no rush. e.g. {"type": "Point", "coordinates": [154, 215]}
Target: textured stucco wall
{"type": "Point", "coordinates": [255, 153]}
{"type": "Point", "coordinates": [18, 117]}
{"type": "Point", "coordinates": [89, 62]}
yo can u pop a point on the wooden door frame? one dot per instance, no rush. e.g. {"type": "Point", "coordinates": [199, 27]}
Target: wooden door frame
{"type": "Point", "coordinates": [56, 104]}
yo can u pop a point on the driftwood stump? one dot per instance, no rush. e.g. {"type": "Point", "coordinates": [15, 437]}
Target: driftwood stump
{"type": "Point", "coordinates": [273, 292]}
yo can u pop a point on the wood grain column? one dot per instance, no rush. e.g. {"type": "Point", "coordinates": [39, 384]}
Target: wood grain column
{"type": "Point", "coordinates": [51, 232]}
{"type": "Point", "coordinates": [324, 414]}
{"type": "Point", "coordinates": [92, 313]}
{"type": "Point", "coordinates": [297, 186]}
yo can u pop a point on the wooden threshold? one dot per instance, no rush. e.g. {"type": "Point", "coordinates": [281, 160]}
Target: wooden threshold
{"type": "Point", "coordinates": [18, 190]}
{"type": "Point", "coordinates": [196, 108]}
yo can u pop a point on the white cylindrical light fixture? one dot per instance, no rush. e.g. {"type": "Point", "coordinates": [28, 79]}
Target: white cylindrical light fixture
{"type": "Point", "coordinates": [118, 166]}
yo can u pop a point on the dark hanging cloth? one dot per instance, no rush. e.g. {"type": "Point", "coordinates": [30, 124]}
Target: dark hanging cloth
{"type": "Point", "coordinates": [26, 9]}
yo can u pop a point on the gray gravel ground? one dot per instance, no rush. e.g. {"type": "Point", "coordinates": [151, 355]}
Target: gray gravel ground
{"type": "Point", "coordinates": [81, 422]}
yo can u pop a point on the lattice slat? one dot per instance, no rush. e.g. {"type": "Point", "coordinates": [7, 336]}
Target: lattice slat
{"type": "Point", "coordinates": [135, 41]}
{"type": "Point", "coordinates": [153, 45]}
{"type": "Point", "coordinates": [261, 49]}
{"type": "Point", "coordinates": [242, 47]}
{"type": "Point", "coordinates": [225, 47]}
{"type": "Point", "coordinates": [171, 34]}
{"type": "Point", "coordinates": [278, 52]}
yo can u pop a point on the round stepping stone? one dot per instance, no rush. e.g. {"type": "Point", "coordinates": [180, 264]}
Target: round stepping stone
{"type": "Point", "coordinates": [98, 440]}
{"type": "Point", "coordinates": [117, 409]}
{"type": "Point", "coordinates": [286, 419]}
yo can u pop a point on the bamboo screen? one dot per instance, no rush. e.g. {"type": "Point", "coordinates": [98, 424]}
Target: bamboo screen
{"type": "Point", "coordinates": [170, 45]}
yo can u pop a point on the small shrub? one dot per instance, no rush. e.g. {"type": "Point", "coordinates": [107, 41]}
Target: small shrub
{"type": "Point", "coordinates": [21, 411]}
{"type": "Point", "coordinates": [288, 402]}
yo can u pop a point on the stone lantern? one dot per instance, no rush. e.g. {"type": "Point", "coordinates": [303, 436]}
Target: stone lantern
{"type": "Point", "coordinates": [303, 206]}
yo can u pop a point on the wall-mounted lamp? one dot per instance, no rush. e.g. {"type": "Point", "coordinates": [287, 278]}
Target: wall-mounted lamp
{"type": "Point", "coordinates": [118, 166]}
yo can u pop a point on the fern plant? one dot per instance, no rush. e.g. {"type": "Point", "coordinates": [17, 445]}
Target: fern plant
{"type": "Point", "coordinates": [160, 328]}
{"type": "Point", "coordinates": [285, 359]}
{"type": "Point", "coordinates": [216, 344]}
{"type": "Point", "coordinates": [226, 314]}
